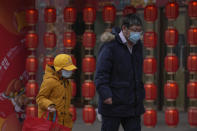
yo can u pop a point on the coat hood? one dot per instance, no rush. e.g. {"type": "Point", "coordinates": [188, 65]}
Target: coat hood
{"type": "Point", "coordinates": [50, 73]}
{"type": "Point", "coordinates": [109, 36]}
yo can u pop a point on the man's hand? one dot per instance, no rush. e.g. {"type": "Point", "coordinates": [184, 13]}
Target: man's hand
{"type": "Point", "coordinates": [51, 108]}
{"type": "Point", "coordinates": [108, 101]}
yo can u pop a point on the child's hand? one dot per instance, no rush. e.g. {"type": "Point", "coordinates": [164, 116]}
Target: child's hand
{"type": "Point", "coordinates": [51, 108]}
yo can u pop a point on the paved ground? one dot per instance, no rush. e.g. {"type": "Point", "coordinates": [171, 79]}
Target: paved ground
{"type": "Point", "coordinates": [183, 124]}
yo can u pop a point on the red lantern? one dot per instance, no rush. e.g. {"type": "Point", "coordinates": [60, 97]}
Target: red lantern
{"type": "Point", "coordinates": [192, 116]}
{"type": "Point", "coordinates": [150, 13]}
{"type": "Point", "coordinates": [88, 90]}
{"type": "Point", "coordinates": [49, 40]}
{"type": "Point", "coordinates": [70, 14]}
{"type": "Point", "coordinates": [192, 36]}
{"type": "Point", "coordinates": [31, 16]}
{"type": "Point", "coordinates": [192, 90]}
{"type": "Point", "coordinates": [73, 111]}
{"type": "Point", "coordinates": [69, 39]}
{"type": "Point", "coordinates": [192, 9]}
{"type": "Point", "coordinates": [31, 111]}
{"type": "Point", "coordinates": [150, 39]}
{"type": "Point", "coordinates": [171, 90]}
{"type": "Point", "coordinates": [74, 60]}
{"type": "Point", "coordinates": [89, 15]}
{"type": "Point", "coordinates": [171, 117]}
{"type": "Point", "coordinates": [31, 41]}
{"type": "Point", "coordinates": [31, 64]}
{"type": "Point", "coordinates": [48, 60]}
{"type": "Point", "coordinates": [151, 91]}
{"type": "Point", "coordinates": [150, 118]}
{"type": "Point", "coordinates": [31, 89]}
{"type": "Point", "coordinates": [89, 39]}
{"type": "Point", "coordinates": [89, 64]}
{"type": "Point", "coordinates": [50, 15]}
{"type": "Point", "coordinates": [150, 65]}
{"type": "Point", "coordinates": [171, 37]}
{"type": "Point", "coordinates": [109, 13]}
{"type": "Point", "coordinates": [172, 10]}
{"type": "Point", "coordinates": [192, 63]}
{"type": "Point", "coordinates": [171, 63]}
{"type": "Point", "coordinates": [89, 114]}
{"type": "Point", "coordinates": [74, 88]}
{"type": "Point", "coordinates": [129, 10]}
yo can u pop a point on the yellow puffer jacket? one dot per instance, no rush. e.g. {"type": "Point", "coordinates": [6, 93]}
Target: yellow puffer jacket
{"type": "Point", "coordinates": [55, 90]}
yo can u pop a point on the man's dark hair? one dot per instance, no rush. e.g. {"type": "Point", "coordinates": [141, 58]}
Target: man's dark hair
{"type": "Point", "coordinates": [131, 20]}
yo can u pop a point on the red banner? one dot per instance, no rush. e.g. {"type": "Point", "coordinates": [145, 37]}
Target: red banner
{"type": "Point", "coordinates": [12, 63]}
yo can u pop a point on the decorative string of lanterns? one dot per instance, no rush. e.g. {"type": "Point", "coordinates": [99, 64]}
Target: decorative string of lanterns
{"type": "Point", "coordinates": [89, 63]}
{"type": "Point", "coordinates": [150, 65]}
{"type": "Point", "coordinates": [31, 43]}
{"type": "Point", "coordinates": [49, 38]}
{"type": "Point", "coordinates": [192, 64]}
{"type": "Point", "coordinates": [171, 89]}
{"type": "Point", "coordinates": [69, 40]}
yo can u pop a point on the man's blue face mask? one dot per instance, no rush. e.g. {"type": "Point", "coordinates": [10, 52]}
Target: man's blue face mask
{"type": "Point", "coordinates": [134, 37]}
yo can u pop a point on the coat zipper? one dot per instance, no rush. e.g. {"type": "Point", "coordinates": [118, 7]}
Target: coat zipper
{"type": "Point", "coordinates": [134, 76]}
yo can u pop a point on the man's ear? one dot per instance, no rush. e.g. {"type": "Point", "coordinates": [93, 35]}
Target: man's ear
{"type": "Point", "coordinates": [124, 28]}
{"type": "Point", "coordinates": [125, 31]}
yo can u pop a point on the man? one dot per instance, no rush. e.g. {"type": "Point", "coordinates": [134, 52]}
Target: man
{"type": "Point", "coordinates": [119, 77]}
{"type": "Point", "coordinates": [55, 92]}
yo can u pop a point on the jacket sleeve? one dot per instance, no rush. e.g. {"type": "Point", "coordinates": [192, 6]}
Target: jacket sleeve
{"type": "Point", "coordinates": [103, 72]}
{"type": "Point", "coordinates": [44, 93]}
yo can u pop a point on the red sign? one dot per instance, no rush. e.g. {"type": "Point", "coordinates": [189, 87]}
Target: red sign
{"type": "Point", "coordinates": [12, 63]}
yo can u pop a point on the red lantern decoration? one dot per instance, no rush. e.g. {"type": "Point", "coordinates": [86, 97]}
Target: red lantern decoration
{"type": "Point", "coordinates": [172, 10]}
{"type": "Point", "coordinates": [50, 15]}
{"type": "Point", "coordinates": [192, 9]}
{"type": "Point", "coordinates": [48, 60]}
{"type": "Point", "coordinates": [88, 90]}
{"type": "Point", "coordinates": [171, 90]}
{"type": "Point", "coordinates": [150, 65]}
{"type": "Point", "coordinates": [89, 39]}
{"type": "Point", "coordinates": [150, 13]}
{"type": "Point", "coordinates": [31, 64]}
{"type": "Point", "coordinates": [109, 13]}
{"type": "Point", "coordinates": [69, 39]}
{"type": "Point", "coordinates": [89, 15]}
{"type": "Point", "coordinates": [171, 63]}
{"type": "Point", "coordinates": [74, 60]}
{"type": "Point", "coordinates": [31, 89]}
{"type": "Point", "coordinates": [192, 116]}
{"type": "Point", "coordinates": [151, 91]}
{"type": "Point", "coordinates": [129, 10]}
{"type": "Point", "coordinates": [49, 40]}
{"type": "Point", "coordinates": [192, 90]}
{"type": "Point", "coordinates": [31, 16]}
{"type": "Point", "coordinates": [31, 41]}
{"type": "Point", "coordinates": [73, 111]}
{"type": "Point", "coordinates": [70, 14]}
{"type": "Point", "coordinates": [171, 117]}
{"type": "Point", "coordinates": [192, 36]}
{"type": "Point", "coordinates": [150, 39]}
{"type": "Point", "coordinates": [171, 37]}
{"type": "Point", "coordinates": [89, 64]}
{"type": "Point", "coordinates": [89, 114]}
{"type": "Point", "coordinates": [31, 111]}
{"type": "Point", "coordinates": [74, 88]}
{"type": "Point", "coordinates": [150, 118]}
{"type": "Point", "coordinates": [192, 63]}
